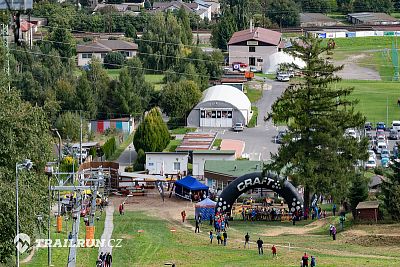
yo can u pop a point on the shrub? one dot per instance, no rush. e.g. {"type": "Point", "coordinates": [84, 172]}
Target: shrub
{"type": "Point", "coordinates": [114, 60]}
{"type": "Point", "coordinates": [109, 147]}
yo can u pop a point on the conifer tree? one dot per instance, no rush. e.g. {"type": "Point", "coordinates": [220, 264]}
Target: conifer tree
{"type": "Point", "coordinates": [152, 134]}
{"type": "Point", "coordinates": [316, 152]}
{"type": "Point", "coordinates": [391, 191]}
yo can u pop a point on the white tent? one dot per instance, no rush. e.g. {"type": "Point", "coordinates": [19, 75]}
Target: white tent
{"type": "Point", "coordinates": [274, 60]}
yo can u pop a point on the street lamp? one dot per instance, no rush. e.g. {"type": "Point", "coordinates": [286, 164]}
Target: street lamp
{"type": "Point", "coordinates": [27, 165]}
{"type": "Point", "coordinates": [49, 172]}
{"type": "Point", "coordinates": [130, 155]}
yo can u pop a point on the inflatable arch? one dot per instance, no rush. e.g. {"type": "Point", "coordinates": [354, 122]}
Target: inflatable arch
{"type": "Point", "coordinates": [257, 180]}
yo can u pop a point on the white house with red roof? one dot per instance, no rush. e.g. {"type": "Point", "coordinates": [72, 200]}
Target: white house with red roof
{"type": "Point", "coordinates": [253, 46]}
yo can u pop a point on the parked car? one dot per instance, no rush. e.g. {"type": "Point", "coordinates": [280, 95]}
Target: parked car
{"type": "Point", "coordinates": [381, 125]}
{"type": "Point", "coordinates": [385, 162]}
{"type": "Point", "coordinates": [396, 125]}
{"type": "Point", "coordinates": [394, 134]}
{"type": "Point", "coordinates": [282, 77]}
{"type": "Point", "coordinates": [368, 126]}
{"type": "Point", "coordinates": [381, 146]}
{"type": "Point", "coordinates": [381, 138]}
{"type": "Point", "coordinates": [369, 135]}
{"type": "Point", "coordinates": [254, 69]}
{"type": "Point", "coordinates": [371, 163]}
{"type": "Point", "coordinates": [372, 154]}
{"type": "Point", "coordinates": [351, 133]}
{"type": "Point", "coordinates": [279, 137]}
{"type": "Point", "coordinates": [385, 153]}
{"type": "Point", "coordinates": [238, 127]}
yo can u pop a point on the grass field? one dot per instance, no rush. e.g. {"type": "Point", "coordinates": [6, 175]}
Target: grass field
{"type": "Point", "coordinates": [85, 256]}
{"type": "Point", "coordinates": [254, 95]}
{"type": "Point", "coordinates": [156, 79]}
{"type": "Point", "coordinates": [122, 147]}
{"type": "Point", "coordinates": [173, 144]}
{"type": "Point", "coordinates": [113, 73]}
{"type": "Point", "coordinates": [253, 121]}
{"type": "Point", "coordinates": [374, 99]}
{"type": "Point", "coordinates": [156, 245]}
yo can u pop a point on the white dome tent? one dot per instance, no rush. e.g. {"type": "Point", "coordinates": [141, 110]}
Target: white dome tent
{"type": "Point", "coordinates": [275, 60]}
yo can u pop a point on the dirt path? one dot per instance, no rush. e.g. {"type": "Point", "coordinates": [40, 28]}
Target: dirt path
{"type": "Point", "coordinates": [353, 71]}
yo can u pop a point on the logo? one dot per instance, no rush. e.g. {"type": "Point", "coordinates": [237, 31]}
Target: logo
{"type": "Point", "coordinates": [22, 242]}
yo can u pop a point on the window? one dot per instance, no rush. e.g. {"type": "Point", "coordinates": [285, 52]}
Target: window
{"type": "Point", "coordinates": [86, 55]}
{"type": "Point", "coordinates": [202, 114]}
{"type": "Point", "coordinates": [252, 49]}
{"type": "Point", "coordinates": [151, 164]}
{"type": "Point", "coordinates": [259, 60]}
{"type": "Point", "coordinates": [177, 166]}
{"type": "Point", "coordinates": [218, 114]}
{"type": "Point", "coordinates": [103, 55]}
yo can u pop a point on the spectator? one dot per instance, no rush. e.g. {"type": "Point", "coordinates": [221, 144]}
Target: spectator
{"type": "Point", "coordinates": [183, 214]}
{"type": "Point", "coordinates": [211, 236]}
{"type": "Point", "coordinates": [219, 237]}
{"type": "Point", "coordinates": [334, 209]}
{"type": "Point", "coordinates": [247, 240]}
{"type": "Point", "coordinates": [225, 236]}
{"type": "Point", "coordinates": [273, 251]}
{"type": "Point", "coordinates": [313, 262]}
{"type": "Point", "coordinates": [334, 233]}
{"type": "Point", "coordinates": [305, 260]}
{"type": "Point", "coordinates": [197, 229]}
{"type": "Point", "coordinates": [260, 246]}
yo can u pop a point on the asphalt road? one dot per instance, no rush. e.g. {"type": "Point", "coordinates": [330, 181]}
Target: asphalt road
{"type": "Point", "coordinates": [259, 140]}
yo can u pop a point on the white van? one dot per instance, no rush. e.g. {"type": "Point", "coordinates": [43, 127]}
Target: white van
{"type": "Point", "coordinates": [380, 147]}
{"type": "Point", "coordinates": [396, 125]}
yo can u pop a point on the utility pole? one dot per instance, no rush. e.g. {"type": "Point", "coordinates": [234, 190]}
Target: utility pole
{"type": "Point", "coordinates": [80, 140]}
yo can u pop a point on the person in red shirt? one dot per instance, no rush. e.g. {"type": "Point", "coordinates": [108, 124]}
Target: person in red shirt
{"type": "Point", "coordinates": [273, 251]}
{"type": "Point", "coordinates": [305, 259]}
{"type": "Point", "coordinates": [183, 214]}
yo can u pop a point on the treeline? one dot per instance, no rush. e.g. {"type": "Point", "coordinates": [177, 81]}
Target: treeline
{"type": "Point", "coordinates": [105, 20]}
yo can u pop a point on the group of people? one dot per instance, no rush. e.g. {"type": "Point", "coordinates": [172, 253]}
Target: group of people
{"type": "Point", "coordinates": [104, 260]}
{"type": "Point", "coordinates": [306, 259]}
{"type": "Point", "coordinates": [220, 221]}
{"type": "Point", "coordinates": [263, 213]}
{"type": "Point", "coordinates": [222, 237]}
{"type": "Point", "coordinates": [260, 244]}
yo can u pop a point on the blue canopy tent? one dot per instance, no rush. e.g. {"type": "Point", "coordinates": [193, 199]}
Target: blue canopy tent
{"type": "Point", "coordinates": [206, 208]}
{"type": "Point", "coordinates": [189, 187]}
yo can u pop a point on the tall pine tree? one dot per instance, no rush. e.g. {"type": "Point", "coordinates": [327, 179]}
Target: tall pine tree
{"type": "Point", "coordinates": [316, 152]}
{"type": "Point", "coordinates": [391, 191]}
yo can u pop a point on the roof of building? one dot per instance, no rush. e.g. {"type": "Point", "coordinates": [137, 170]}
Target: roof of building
{"type": "Point", "coordinates": [118, 7]}
{"type": "Point", "coordinates": [315, 17]}
{"type": "Point", "coordinates": [232, 168]}
{"type": "Point", "coordinates": [370, 17]}
{"type": "Point", "coordinates": [197, 141]}
{"type": "Point", "coordinates": [229, 94]}
{"type": "Point", "coordinates": [162, 6]}
{"type": "Point", "coordinates": [105, 46]}
{"type": "Point", "coordinates": [215, 152]}
{"type": "Point", "coordinates": [258, 34]}
{"type": "Point", "coordinates": [376, 180]}
{"type": "Point", "coordinates": [166, 153]}
{"type": "Point", "coordinates": [367, 205]}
